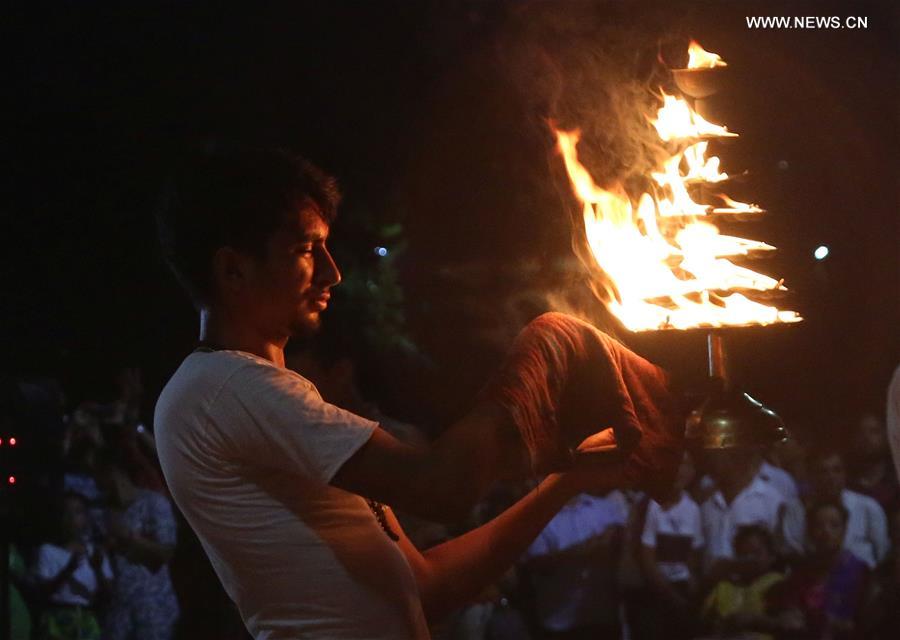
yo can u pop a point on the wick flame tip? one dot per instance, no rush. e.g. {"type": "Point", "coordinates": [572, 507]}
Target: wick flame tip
{"type": "Point", "coordinates": [700, 58]}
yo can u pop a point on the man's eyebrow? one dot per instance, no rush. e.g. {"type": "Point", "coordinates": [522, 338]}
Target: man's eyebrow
{"type": "Point", "coordinates": [312, 236]}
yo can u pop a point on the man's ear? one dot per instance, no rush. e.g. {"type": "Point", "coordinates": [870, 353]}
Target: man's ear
{"type": "Point", "coordinates": [231, 269]}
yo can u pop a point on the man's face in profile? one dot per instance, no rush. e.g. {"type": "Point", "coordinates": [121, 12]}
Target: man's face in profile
{"type": "Point", "coordinates": [291, 286]}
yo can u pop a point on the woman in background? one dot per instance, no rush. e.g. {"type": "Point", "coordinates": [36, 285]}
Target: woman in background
{"type": "Point", "coordinates": [73, 575]}
{"type": "Point", "coordinates": [828, 594]}
{"type": "Point", "coordinates": [142, 536]}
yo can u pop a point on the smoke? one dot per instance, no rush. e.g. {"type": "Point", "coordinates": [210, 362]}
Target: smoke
{"type": "Point", "coordinates": [595, 67]}
{"type": "Point", "coordinates": [495, 219]}
{"type": "Point", "coordinates": [586, 65]}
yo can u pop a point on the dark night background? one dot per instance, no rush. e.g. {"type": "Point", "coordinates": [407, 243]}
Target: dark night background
{"type": "Point", "coordinates": [418, 108]}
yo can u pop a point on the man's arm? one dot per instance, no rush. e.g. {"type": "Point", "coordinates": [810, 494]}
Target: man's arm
{"type": "Point", "coordinates": [441, 482]}
{"type": "Point", "coordinates": [455, 572]}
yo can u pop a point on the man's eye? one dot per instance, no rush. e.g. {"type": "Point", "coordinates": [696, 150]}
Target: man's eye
{"type": "Point", "coordinates": [304, 249]}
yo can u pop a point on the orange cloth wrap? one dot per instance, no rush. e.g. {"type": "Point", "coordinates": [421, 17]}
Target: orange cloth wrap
{"type": "Point", "coordinates": [564, 380]}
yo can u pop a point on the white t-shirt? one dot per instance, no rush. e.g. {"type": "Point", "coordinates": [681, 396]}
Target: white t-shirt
{"type": "Point", "coordinates": [780, 479]}
{"type": "Point", "coordinates": [759, 503]}
{"type": "Point", "coordinates": [248, 450]}
{"type": "Point", "coordinates": [776, 476]}
{"type": "Point", "coordinates": [674, 533]}
{"type": "Point", "coordinates": [81, 586]}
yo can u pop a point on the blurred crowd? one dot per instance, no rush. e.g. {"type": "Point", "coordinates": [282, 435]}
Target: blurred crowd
{"type": "Point", "coordinates": [97, 549]}
{"type": "Point", "coordinates": [797, 541]}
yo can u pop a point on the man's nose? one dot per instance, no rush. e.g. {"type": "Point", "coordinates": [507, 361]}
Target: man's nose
{"type": "Point", "coordinates": [327, 272]}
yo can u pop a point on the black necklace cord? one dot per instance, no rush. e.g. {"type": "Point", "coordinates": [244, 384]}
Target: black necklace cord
{"type": "Point", "coordinates": [378, 511]}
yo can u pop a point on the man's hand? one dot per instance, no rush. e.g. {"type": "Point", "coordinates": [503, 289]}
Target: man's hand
{"type": "Point", "coordinates": [598, 465]}
{"type": "Point", "coordinates": [601, 443]}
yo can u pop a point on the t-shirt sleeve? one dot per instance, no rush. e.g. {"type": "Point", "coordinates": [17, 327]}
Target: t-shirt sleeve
{"type": "Point", "coordinates": [276, 419]}
{"type": "Point", "coordinates": [648, 536]}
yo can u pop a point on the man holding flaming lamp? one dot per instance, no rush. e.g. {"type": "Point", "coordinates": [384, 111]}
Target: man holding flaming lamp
{"type": "Point", "coordinates": [285, 491]}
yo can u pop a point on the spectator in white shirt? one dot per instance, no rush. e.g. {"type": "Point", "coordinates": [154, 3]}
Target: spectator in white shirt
{"type": "Point", "coordinates": [773, 475]}
{"type": "Point", "coordinates": [741, 499]}
{"type": "Point", "coordinates": [572, 567]}
{"type": "Point", "coordinates": [780, 479]}
{"type": "Point", "coordinates": [866, 534]}
{"type": "Point", "coordinates": [671, 543]}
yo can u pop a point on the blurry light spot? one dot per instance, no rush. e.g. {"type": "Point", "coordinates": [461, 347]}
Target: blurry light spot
{"type": "Point", "coordinates": [11, 480]}
{"type": "Point", "coordinates": [821, 252]}
{"type": "Point", "coordinates": [12, 442]}
{"type": "Point", "coordinates": [381, 251]}
{"type": "Point", "coordinates": [783, 165]}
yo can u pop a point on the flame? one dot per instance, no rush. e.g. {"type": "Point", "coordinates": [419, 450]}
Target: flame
{"type": "Point", "coordinates": [679, 202]}
{"type": "Point", "coordinates": [736, 207]}
{"type": "Point", "coordinates": [701, 168]}
{"type": "Point", "coordinates": [676, 120]}
{"type": "Point", "coordinates": [667, 264]}
{"type": "Point", "coordinates": [699, 58]}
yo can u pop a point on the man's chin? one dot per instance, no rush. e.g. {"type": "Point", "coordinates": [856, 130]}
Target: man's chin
{"type": "Point", "coordinates": [307, 325]}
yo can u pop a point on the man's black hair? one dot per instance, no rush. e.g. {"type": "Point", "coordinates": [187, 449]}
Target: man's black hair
{"type": "Point", "coordinates": [236, 197]}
